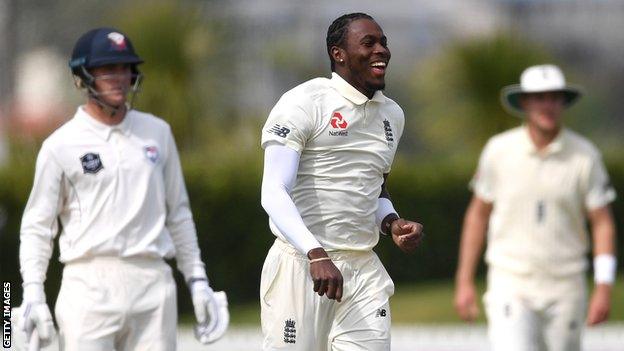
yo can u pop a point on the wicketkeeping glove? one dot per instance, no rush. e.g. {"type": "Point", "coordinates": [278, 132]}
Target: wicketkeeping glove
{"type": "Point", "coordinates": [35, 315]}
{"type": "Point", "coordinates": [211, 312]}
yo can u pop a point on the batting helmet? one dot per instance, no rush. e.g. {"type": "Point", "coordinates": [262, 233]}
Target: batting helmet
{"type": "Point", "coordinates": [100, 47]}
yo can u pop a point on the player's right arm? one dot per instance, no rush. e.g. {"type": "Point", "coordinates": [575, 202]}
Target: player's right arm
{"type": "Point", "coordinates": [280, 172]}
{"type": "Point", "coordinates": [471, 245]}
{"type": "Point", "coordinates": [290, 125]}
{"type": "Point", "coordinates": [473, 235]}
{"type": "Point", "coordinates": [39, 227]}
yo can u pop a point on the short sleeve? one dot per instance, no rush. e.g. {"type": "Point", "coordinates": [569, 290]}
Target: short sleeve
{"type": "Point", "coordinates": [288, 124]}
{"type": "Point", "coordinates": [599, 190]}
{"type": "Point", "coordinates": [482, 183]}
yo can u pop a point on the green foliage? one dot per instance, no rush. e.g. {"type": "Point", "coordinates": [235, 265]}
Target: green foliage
{"type": "Point", "coordinates": [456, 94]}
{"type": "Point", "coordinates": [177, 44]}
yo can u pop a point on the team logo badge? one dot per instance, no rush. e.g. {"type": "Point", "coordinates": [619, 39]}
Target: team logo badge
{"type": "Point", "coordinates": [290, 333]}
{"type": "Point", "coordinates": [91, 163]}
{"type": "Point", "coordinates": [388, 132]}
{"type": "Point", "coordinates": [340, 123]}
{"type": "Point", "coordinates": [280, 131]}
{"type": "Point", "coordinates": [151, 152]}
{"type": "Point", "coordinates": [118, 41]}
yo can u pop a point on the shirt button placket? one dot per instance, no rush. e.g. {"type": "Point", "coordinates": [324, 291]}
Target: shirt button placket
{"type": "Point", "coordinates": [117, 144]}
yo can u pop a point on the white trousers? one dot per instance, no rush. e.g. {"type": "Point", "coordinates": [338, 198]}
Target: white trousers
{"type": "Point", "coordinates": [535, 312]}
{"type": "Point", "coordinates": [294, 317]}
{"type": "Point", "coordinates": [117, 304]}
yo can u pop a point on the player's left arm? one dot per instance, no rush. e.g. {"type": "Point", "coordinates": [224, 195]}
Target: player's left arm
{"type": "Point", "coordinates": [406, 234]}
{"type": "Point", "coordinates": [603, 234]}
{"type": "Point", "coordinates": [598, 194]}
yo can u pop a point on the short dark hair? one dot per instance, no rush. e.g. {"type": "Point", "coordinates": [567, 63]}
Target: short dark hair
{"type": "Point", "coordinates": [337, 31]}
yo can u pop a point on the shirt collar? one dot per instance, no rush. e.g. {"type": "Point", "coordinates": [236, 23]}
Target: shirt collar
{"type": "Point", "coordinates": [350, 93]}
{"type": "Point", "coordinates": [101, 129]}
{"type": "Point", "coordinates": [554, 147]}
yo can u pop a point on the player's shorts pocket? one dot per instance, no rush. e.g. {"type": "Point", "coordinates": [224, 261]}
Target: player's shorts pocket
{"type": "Point", "coordinates": [268, 280]}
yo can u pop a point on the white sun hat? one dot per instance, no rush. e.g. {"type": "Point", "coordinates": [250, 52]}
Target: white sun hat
{"type": "Point", "coordinates": [538, 79]}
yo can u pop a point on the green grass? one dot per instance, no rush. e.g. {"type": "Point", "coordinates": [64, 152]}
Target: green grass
{"type": "Point", "coordinates": [430, 302]}
{"type": "Point", "coordinates": [419, 303]}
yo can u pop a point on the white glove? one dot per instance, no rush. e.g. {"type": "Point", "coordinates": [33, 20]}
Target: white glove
{"type": "Point", "coordinates": [211, 312]}
{"type": "Point", "coordinates": [36, 319]}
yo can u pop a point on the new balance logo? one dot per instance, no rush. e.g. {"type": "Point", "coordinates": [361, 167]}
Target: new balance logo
{"type": "Point", "coordinates": [290, 333]}
{"type": "Point", "coordinates": [279, 131]}
{"type": "Point", "coordinates": [381, 312]}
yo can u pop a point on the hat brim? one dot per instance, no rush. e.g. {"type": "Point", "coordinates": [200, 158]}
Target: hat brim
{"type": "Point", "coordinates": [510, 97]}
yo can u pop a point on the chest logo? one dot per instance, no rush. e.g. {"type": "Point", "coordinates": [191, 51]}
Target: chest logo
{"type": "Point", "coordinates": [338, 122]}
{"type": "Point", "coordinates": [151, 152]}
{"type": "Point", "coordinates": [388, 132]}
{"type": "Point", "coordinates": [91, 163]}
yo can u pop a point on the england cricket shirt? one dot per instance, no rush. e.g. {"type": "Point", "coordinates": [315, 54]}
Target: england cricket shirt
{"type": "Point", "coordinates": [346, 143]}
{"type": "Point", "coordinates": [540, 200]}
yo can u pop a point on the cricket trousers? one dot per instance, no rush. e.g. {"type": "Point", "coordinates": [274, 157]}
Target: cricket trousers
{"type": "Point", "coordinates": [535, 312]}
{"type": "Point", "coordinates": [111, 303]}
{"type": "Point", "coordinates": [296, 318]}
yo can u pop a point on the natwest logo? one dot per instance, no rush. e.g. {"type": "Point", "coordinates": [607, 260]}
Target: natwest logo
{"type": "Point", "coordinates": [337, 121]}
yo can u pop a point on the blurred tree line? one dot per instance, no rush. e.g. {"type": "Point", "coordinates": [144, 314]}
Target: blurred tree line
{"type": "Point", "coordinates": [452, 107]}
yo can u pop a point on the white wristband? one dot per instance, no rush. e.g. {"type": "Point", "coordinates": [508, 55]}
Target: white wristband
{"type": "Point", "coordinates": [384, 208]}
{"type": "Point", "coordinates": [604, 269]}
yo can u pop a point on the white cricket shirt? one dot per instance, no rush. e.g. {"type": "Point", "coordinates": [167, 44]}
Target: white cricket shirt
{"type": "Point", "coordinates": [117, 190]}
{"type": "Point", "coordinates": [540, 200]}
{"type": "Point", "coordinates": [346, 142]}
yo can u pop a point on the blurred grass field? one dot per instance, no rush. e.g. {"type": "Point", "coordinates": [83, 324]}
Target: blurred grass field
{"type": "Point", "coordinates": [420, 303]}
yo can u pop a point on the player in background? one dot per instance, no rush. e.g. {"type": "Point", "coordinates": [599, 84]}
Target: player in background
{"type": "Point", "coordinates": [111, 176]}
{"type": "Point", "coordinates": [534, 188]}
{"type": "Point", "coordinates": [329, 146]}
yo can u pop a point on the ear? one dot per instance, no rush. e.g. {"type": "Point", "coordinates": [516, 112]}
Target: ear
{"type": "Point", "coordinates": [338, 54]}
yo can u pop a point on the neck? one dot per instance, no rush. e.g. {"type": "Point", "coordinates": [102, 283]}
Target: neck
{"type": "Point", "coordinates": [105, 114]}
{"type": "Point", "coordinates": [353, 82]}
{"type": "Point", "coordinates": [540, 137]}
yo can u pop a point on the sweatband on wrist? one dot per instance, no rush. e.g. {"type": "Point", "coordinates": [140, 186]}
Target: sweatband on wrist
{"type": "Point", "coordinates": [384, 208]}
{"type": "Point", "coordinates": [604, 269]}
